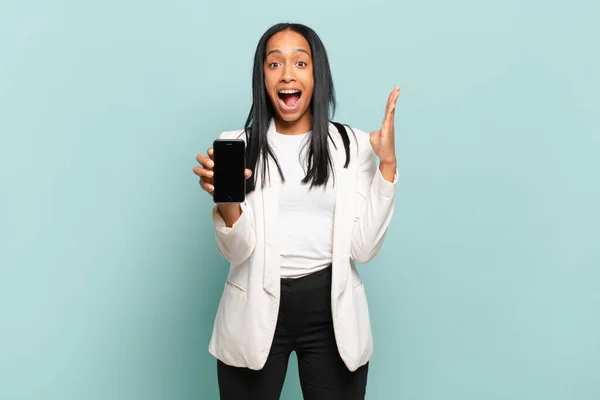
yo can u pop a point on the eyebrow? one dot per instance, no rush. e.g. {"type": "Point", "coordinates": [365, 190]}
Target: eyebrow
{"type": "Point", "coordinates": [293, 51]}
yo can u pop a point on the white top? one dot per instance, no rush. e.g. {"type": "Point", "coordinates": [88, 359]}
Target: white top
{"type": "Point", "coordinates": [305, 215]}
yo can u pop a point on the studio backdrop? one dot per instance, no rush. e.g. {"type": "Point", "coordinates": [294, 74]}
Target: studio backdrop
{"type": "Point", "coordinates": [488, 284]}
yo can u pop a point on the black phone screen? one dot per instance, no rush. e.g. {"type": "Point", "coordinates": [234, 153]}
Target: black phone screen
{"type": "Point", "coordinates": [228, 179]}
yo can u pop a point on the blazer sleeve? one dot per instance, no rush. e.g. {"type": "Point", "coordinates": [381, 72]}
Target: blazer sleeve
{"type": "Point", "coordinates": [374, 205]}
{"type": "Point", "coordinates": [235, 243]}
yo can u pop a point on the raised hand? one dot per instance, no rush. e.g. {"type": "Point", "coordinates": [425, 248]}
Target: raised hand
{"type": "Point", "coordinates": [382, 140]}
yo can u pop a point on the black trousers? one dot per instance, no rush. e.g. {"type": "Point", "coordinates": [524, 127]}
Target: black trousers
{"type": "Point", "coordinates": [305, 326]}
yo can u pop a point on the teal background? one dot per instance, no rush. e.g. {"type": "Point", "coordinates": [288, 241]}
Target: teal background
{"type": "Point", "coordinates": [488, 286]}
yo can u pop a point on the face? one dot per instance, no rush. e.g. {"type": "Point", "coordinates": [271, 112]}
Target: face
{"type": "Point", "coordinates": [289, 81]}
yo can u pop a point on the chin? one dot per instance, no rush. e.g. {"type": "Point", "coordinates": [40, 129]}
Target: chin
{"type": "Point", "coordinates": [291, 117]}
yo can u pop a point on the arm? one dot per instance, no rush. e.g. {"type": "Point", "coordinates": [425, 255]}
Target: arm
{"type": "Point", "coordinates": [375, 206]}
{"type": "Point", "coordinates": [235, 240]}
{"type": "Point", "coordinates": [234, 228]}
{"type": "Point", "coordinates": [376, 186]}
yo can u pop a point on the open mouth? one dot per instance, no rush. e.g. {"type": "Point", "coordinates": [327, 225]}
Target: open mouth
{"type": "Point", "coordinates": [289, 98]}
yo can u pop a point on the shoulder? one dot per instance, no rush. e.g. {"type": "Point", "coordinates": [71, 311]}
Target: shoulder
{"type": "Point", "coordinates": [362, 139]}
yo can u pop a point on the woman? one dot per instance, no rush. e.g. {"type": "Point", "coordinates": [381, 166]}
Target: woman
{"type": "Point", "coordinates": [320, 199]}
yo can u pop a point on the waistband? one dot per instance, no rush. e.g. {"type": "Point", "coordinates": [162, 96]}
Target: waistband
{"type": "Point", "coordinates": [310, 281]}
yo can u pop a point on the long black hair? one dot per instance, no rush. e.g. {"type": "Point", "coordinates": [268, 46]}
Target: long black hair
{"type": "Point", "coordinates": [323, 101]}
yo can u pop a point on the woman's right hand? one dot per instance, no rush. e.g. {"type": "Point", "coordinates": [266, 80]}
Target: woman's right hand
{"type": "Point", "coordinates": [229, 212]}
{"type": "Point", "coordinates": [205, 171]}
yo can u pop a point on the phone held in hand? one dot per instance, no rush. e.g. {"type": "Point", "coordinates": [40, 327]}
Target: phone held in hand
{"type": "Point", "coordinates": [230, 163]}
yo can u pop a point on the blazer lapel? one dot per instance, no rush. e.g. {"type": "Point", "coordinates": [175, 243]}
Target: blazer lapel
{"type": "Point", "coordinates": [344, 200]}
{"type": "Point", "coordinates": [270, 200]}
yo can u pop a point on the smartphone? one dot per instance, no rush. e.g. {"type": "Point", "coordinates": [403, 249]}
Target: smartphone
{"type": "Point", "coordinates": [230, 163]}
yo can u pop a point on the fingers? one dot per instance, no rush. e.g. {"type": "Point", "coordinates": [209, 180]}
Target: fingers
{"type": "Point", "coordinates": [391, 107]}
{"type": "Point", "coordinates": [205, 179]}
{"type": "Point", "coordinates": [207, 186]}
{"type": "Point", "coordinates": [389, 102]}
{"type": "Point", "coordinates": [392, 99]}
{"type": "Point", "coordinates": [206, 183]}
{"type": "Point", "coordinates": [203, 172]}
{"type": "Point", "coordinates": [395, 97]}
{"type": "Point", "coordinates": [205, 161]}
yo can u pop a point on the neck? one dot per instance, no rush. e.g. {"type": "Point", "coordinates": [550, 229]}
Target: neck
{"type": "Point", "coordinates": [301, 125]}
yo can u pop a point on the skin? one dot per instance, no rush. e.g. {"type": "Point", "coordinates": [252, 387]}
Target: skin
{"type": "Point", "coordinates": [289, 65]}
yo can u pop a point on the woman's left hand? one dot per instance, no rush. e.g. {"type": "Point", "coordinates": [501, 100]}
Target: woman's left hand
{"type": "Point", "coordinates": [382, 141]}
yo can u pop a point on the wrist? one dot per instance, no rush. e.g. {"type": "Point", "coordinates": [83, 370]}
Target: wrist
{"type": "Point", "coordinates": [388, 169]}
{"type": "Point", "coordinates": [230, 213]}
{"type": "Point", "coordinates": [388, 162]}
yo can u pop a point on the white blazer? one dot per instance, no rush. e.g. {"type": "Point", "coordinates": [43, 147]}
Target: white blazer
{"type": "Point", "coordinates": [247, 313]}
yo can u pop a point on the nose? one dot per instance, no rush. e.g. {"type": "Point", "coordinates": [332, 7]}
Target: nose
{"type": "Point", "coordinates": [288, 73]}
